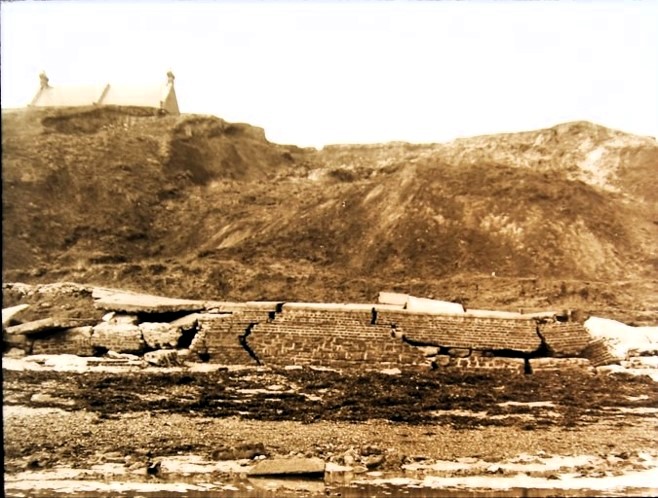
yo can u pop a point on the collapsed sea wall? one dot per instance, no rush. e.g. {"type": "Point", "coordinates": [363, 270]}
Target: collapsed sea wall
{"type": "Point", "coordinates": [381, 336]}
{"type": "Point", "coordinates": [344, 336]}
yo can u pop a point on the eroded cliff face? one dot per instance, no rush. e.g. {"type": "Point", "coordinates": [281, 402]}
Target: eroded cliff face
{"type": "Point", "coordinates": [197, 207]}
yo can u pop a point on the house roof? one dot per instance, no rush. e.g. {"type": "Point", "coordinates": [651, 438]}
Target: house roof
{"type": "Point", "coordinates": [66, 96]}
{"type": "Point", "coordinates": [108, 94]}
{"type": "Point", "coordinates": [143, 96]}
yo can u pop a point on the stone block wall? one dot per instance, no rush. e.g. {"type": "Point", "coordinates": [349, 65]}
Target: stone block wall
{"type": "Point", "coordinates": [75, 341]}
{"type": "Point", "coordinates": [463, 331]}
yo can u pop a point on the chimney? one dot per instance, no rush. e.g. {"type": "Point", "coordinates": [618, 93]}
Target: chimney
{"type": "Point", "coordinates": [44, 80]}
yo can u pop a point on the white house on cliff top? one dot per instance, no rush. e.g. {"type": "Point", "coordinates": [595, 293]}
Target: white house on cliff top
{"type": "Point", "coordinates": [161, 97]}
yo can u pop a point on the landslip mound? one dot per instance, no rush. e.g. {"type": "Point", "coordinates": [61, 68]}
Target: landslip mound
{"type": "Point", "coordinates": [197, 207]}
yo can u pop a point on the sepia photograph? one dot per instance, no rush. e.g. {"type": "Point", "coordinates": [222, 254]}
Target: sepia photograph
{"type": "Point", "coordinates": [356, 249]}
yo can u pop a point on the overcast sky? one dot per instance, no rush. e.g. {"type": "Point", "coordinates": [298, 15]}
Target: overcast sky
{"type": "Point", "coordinates": [314, 73]}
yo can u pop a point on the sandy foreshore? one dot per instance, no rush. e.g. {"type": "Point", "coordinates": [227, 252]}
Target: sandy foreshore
{"type": "Point", "coordinates": [59, 439]}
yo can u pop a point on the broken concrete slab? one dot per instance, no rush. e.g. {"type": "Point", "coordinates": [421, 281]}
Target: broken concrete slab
{"type": "Point", "coordinates": [38, 326]}
{"type": "Point", "coordinates": [423, 305]}
{"type": "Point", "coordinates": [327, 307]}
{"type": "Point", "coordinates": [288, 466]}
{"type": "Point", "coordinates": [509, 314]}
{"type": "Point", "coordinates": [187, 322]}
{"type": "Point", "coordinates": [143, 303]}
{"type": "Point", "coordinates": [9, 313]}
{"type": "Point", "coordinates": [160, 335]}
{"type": "Point", "coordinates": [264, 305]}
{"type": "Point", "coordinates": [31, 327]}
{"type": "Point", "coordinates": [394, 298]}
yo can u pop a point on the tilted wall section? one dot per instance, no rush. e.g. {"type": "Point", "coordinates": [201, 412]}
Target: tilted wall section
{"type": "Point", "coordinates": [338, 336]}
{"type": "Point", "coordinates": [464, 331]}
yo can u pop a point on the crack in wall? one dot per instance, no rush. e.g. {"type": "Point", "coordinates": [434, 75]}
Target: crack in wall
{"type": "Point", "coordinates": [245, 345]}
{"type": "Point", "coordinates": [544, 348]}
{"type": "Point", "coordinates": [373, 316]}
{"type": "Point", "coordinates": [422, 344]}
{"type": "Point", "coordinates": [271, 315]}
{"type": "Point", "coordinates": [542, 351]}
{"type": "Point", "coordinates": [419, 344]}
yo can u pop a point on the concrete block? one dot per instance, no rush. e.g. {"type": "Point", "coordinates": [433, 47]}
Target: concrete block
{"type": "Point", "coordinates": [160, 335]}
{"type": "Point", "coordinates": [122, 338]}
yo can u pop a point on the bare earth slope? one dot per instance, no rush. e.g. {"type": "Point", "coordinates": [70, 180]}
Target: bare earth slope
{"type": "Point", "coordinates": [193, 206]}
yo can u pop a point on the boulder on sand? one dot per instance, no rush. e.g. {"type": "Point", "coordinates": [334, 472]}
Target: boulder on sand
{"type": "Point", "coordinates": [288, 466]}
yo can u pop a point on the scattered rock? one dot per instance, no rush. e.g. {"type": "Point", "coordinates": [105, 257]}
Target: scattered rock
{"type": "Point", "coordinates": [459, 352]}
{"type": "Point", "coordinates": [154, 468]}
{"type": "Point", "coordinates": [371, 450]}
{"type": "Point", "coordinates": [374, 462]}
{"type": "Point", "coordinates": [121, 318]}
{"type": "Point", "coordinates": [250, 451]}
{"type": "Point", "coordinates": [38, 461]}
{"type": "Point", "coordinates": [16, 341]}
{"type": "Point", "coordinates": [47, 399]}
{"type": "Point", "coordinates": [495, 469]}
{"type": "Point", "coordinates": [15, 353]}
{"type": "Point", "coordinates": [183, 355]}
{"type": "Point", "coordinates": [113, 355]}
{"type": "Point", "coordinates": [135, 466]}
{"type": "Point", "coordinates": [391, 371]}
{"type": "Point", "coordinates": [442, 360]}
{"type": "Point", "coordinates": [349, 457]}
{"type": "Point", "coordinates": [246, 451]}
